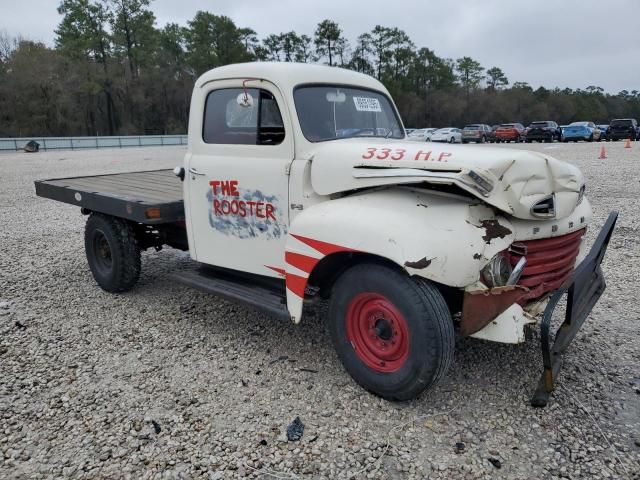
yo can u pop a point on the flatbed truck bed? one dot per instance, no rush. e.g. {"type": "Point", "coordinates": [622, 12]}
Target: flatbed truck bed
{"type": "Point", "coordinates": [150, 197]}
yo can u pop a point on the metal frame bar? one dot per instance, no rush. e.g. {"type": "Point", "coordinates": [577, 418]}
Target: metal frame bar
{"type": "Point", "coordinates": [583, 289]}
{"type": "Point", "coordinates": [70, 143]}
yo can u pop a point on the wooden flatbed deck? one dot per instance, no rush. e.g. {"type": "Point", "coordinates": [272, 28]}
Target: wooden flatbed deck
{"type": "Point", "coordinates": [152, 197]}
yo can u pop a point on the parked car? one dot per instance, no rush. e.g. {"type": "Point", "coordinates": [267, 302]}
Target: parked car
{"type": "Point", "coordinates": [409, 131]}
{"type": "Point", "coordinates": [421, 134]}
{"type": "Point", "coordinates": [491, 135]}
{"type": "Point", "coordinates": [623, 128]}
{"type": "Point", "coordinates": [450, 135]}
{"type": "Point", "coordinates": [604, 131]}
{"type": "Point", "coordinates": [546, 131]}
{"type": "Point", "coordinates": [478, 132]}
{"type": "Point", "coordinates": [508, 132]}
{"type": "Point", "coordinates": [587, 131]}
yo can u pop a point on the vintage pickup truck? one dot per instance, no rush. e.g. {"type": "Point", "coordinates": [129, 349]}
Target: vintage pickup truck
{"type": "Point", "coordinates": [299, 184]}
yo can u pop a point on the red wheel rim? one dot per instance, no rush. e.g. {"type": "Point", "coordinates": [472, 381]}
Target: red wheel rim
{"type": "Point", "coordinates": [378, 332]}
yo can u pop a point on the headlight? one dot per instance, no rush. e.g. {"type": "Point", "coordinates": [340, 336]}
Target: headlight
{"type": "Point", "coordinates": [545, 208]}
{"type": "Point", "coordinates": [580, 195]}
{"type": "Point", "coordinates": [496, 273]}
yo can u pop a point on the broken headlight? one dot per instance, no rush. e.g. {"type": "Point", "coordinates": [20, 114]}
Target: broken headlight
{"type": "Point", "coordinates": [580, 195]}
{"type": "Point", "coordinates": [496, 273]}
{"type": "Point", "coordinates": [545, 208]}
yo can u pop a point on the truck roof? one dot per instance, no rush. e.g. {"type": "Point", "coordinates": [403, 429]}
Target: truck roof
{"type": "Point", "coordinates": [288, 75]}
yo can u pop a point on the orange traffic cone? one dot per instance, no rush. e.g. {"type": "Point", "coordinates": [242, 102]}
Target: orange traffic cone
{"type": "Point", "coordinates": [603, 154]}
{"type": "Point", "coordinates": [627, 144]}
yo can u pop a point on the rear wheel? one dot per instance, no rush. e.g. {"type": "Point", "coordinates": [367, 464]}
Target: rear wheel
{"type": "Point", "coordinates": [452, 140]}
{"type": "Point", "coordinates": [112, 252]}
{"type": "Point", "coordinates": [393, 333]}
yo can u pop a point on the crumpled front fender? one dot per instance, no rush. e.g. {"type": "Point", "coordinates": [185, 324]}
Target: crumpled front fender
{"type": "Point", "coordinates": [440, 237]}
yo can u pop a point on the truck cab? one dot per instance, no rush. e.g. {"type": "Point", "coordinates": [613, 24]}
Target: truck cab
{"type": "Point", "coordinates": [299, 184]}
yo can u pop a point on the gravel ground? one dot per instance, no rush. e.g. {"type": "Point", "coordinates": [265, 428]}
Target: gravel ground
{"type": "Point", "coordinates": [165, 382]}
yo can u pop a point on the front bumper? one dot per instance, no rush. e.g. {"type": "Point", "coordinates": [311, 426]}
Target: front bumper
{"type": "Point", "coordinates": [540, 136]}
{"type": "Point", "coordinates": [583, 289]}
{"type": "Point", "coordinates": [620, 135]}
{"type": "Point", "coordinates": [576, 136]}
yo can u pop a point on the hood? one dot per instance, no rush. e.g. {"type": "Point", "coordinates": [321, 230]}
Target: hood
{"type": "Point", "coordinates": [510, 180]}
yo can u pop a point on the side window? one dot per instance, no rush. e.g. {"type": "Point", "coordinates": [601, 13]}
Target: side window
{"type": "Point", "coordinates": [234, 116]}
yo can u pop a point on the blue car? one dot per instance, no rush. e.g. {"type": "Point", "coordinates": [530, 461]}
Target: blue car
{"type": "Point", "coordinates": [586, 131]}
{"type": "Point", "coordinates": [603, 131]}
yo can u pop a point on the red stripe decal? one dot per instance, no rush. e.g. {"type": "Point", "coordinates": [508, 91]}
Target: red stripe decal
{"type": "Point", "coordinates": [301, 262]}
{"type": "Point", "coordinates": [322, 247]}
{"type": "Point", "coordinates": [296, 284]}
{"type": "Point", "coordinates": [277, 269]}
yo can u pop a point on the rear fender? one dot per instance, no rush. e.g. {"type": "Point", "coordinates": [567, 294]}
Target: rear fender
{"type": "Point", "coordinates": [440, 237]}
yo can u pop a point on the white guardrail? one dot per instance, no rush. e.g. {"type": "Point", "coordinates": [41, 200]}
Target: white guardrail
{"type": "Point", "coordinates": [77, 143]}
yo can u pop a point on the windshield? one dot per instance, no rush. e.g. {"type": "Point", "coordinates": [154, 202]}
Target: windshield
{"type": "Point", "coordinates": [579, 124]}
{"type": "Point", "coordinates": [472, 127]}
{"type": "Point", "coordinates": [539, 124]}
{"type": "Point", "coordinates": [507, 125]}
{"type": "Point", "coordinates": [621, 123]}
{"type": "Point", "coordinates": [330, 112]}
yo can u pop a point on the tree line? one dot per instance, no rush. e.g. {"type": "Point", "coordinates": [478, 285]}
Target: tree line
{"type": "Point", "coordinates": [112, 71]}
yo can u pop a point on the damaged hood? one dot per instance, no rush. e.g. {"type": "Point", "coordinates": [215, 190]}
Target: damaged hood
{"type": "Point", "coordinates": [514, 181]}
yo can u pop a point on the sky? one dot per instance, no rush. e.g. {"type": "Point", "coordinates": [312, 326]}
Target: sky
{"type": "Point", "coordinates": [550, 43]}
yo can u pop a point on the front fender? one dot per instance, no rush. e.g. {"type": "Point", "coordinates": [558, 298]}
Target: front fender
{"type": "Point", "coordinates": [441, 237]}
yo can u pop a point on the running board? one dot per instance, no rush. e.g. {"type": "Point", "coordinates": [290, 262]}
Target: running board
{"type": "Point", "coordinates": [237, 289]}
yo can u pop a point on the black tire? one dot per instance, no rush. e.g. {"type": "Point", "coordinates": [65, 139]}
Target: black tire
{"type": "Point", "coordinates": [590, 139]}
{"type": "Point", "coordinates": [528, 140]}
{"type": "Point", "coordinates": [465, 141]}
{"type": "Point", "coordinates": [429, 330]}
{"type": "Point", "coordinates": [452, 140]}
{"type": "Point", "coordinates": [112, 252]}
{"type": "Point", "coordinates": [483, 139]}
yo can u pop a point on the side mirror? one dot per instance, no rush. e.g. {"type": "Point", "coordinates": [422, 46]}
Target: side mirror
{"type": "Point", "coordinates": [179, 172]}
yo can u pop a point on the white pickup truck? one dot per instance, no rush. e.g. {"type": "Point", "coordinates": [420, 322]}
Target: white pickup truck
{"type": "Point", "coordinates": [299, 183]}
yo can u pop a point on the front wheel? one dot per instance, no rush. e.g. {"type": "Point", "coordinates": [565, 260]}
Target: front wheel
{"type": "Point", "coordinates": [452, 140]}
{"type": "Point", "coordinates": [112, 252]}
{"type": "Point", "coordinates": [393, 334]}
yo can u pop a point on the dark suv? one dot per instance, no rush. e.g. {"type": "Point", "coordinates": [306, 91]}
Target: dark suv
{"type": "Point", "coordinates": [623, 128]}
{"type": "Point", "coordinates": [546, 131]}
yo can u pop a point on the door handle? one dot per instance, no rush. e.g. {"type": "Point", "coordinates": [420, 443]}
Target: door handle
{"type": "Point", "coordinates": [194, 171]}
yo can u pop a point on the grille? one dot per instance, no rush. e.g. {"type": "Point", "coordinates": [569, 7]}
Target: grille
{"type": "Point", "coordinates": [550, 262]}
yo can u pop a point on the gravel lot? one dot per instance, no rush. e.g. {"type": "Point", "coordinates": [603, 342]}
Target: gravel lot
{"type": "Point", "coordinates": [165, 382]}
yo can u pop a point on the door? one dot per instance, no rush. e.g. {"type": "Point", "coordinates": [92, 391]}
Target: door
{"type": "Point", "coordinates": [240, 151]}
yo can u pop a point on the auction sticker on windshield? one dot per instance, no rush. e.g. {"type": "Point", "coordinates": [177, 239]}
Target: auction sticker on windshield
{"type": "Point", "coordinates": [367, 104]}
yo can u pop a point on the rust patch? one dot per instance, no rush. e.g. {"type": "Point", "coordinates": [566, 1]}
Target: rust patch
{"type": "Point", "coordinates": [493, 230]}
{"type": "Point", "coordinates": [477, 256]}
{"type": "Point", "coordinates": [419, 264]}
{"type": "Point", "coordinates": [482, 306]}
